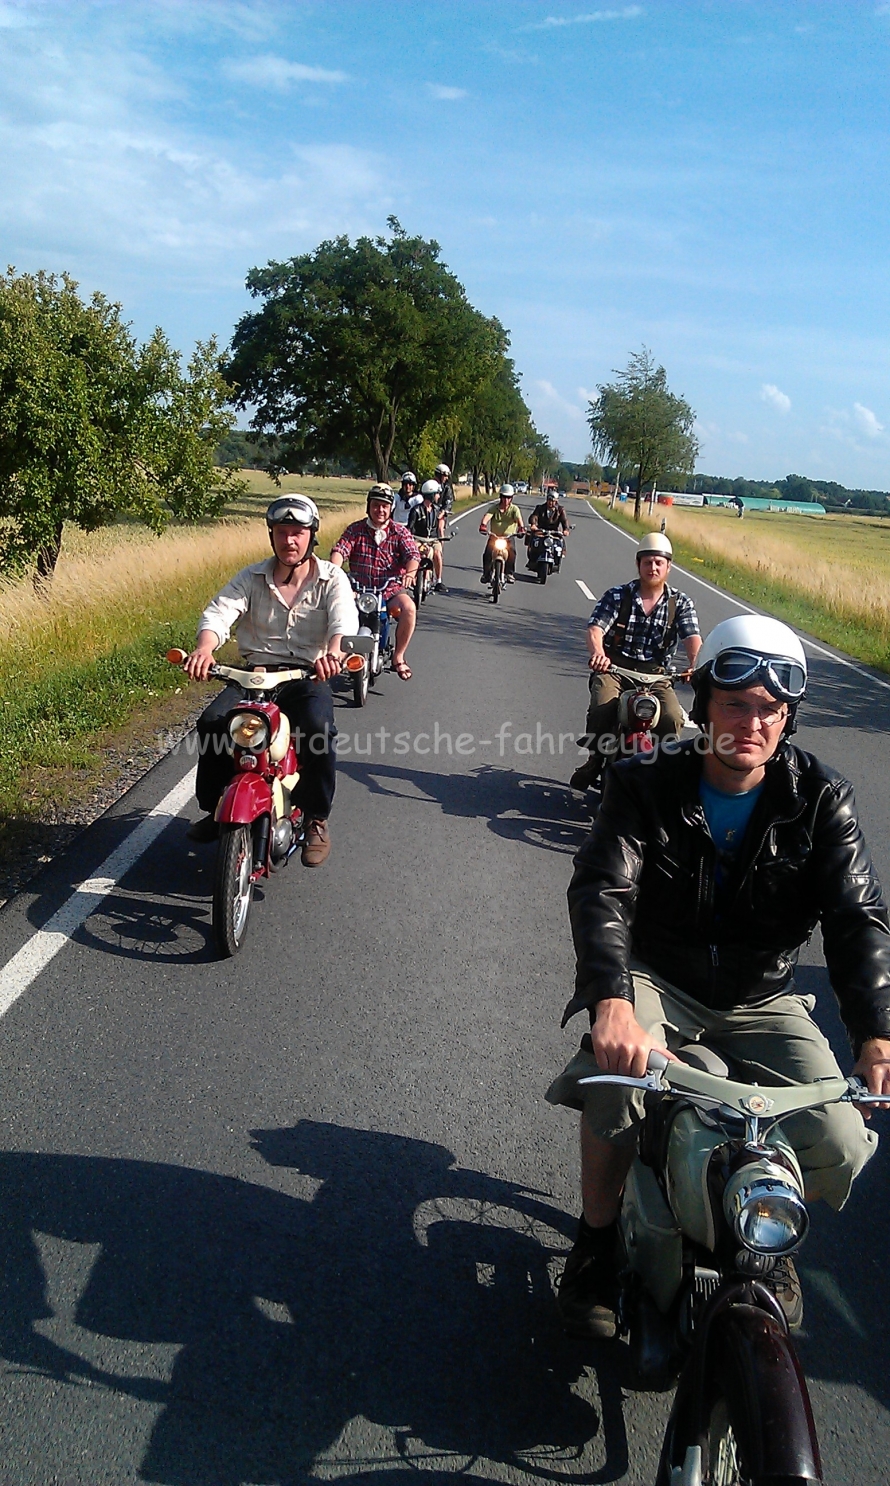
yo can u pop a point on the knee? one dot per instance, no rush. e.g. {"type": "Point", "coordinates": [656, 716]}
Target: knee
{"type": "Point", "coordinates": [839, 1145]}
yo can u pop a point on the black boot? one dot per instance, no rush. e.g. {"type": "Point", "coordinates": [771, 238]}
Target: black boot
{"type": "Point", "coordinates": [588, 1289]}
{"type": "Point", "coordinates": [586, 775]}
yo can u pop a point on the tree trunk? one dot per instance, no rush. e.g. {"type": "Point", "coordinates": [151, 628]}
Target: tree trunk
{"type": "Point", "coordinates": [47, 557]}
{"type": "Point", "coordinates": [638, 501]}
{"type": "Point", "coordinates": [475, 481]}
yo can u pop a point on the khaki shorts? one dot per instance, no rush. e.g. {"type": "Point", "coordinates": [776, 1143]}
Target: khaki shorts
{"type": "Point", "coordinates": [775, 1042]}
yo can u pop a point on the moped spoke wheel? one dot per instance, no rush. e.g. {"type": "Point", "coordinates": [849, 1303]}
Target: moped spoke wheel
{"type": "Point", "coordinates": [542, 572]}
{"type": "Point", "coordinates": [232, 889]}
{"type": "Point", "coordinates": [723, 1450]}
{"type": "Point", "coordinates": [360, 687]}
{"type": "Point", "coordinates": [497, 582]}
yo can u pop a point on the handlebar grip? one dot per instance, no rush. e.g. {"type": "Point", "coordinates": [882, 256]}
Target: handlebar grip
{"type": "Point", "coordinates": [656, 1061]}
{"type": "Point", "coordinates": [176, 657]}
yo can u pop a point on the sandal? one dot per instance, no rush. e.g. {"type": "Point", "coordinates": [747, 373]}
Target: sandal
{"type": "Point", "coordinates": [402, 669]}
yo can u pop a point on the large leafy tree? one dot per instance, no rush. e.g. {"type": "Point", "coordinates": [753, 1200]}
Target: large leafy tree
{"type": "Point", "coordinates": [358, 349]}
{"type": "Point", "coordinates": [93, 426]}
{"type": "Point", "coordinates": [637, 422]}
{"type": "Point", "coordinates": [497, 437]}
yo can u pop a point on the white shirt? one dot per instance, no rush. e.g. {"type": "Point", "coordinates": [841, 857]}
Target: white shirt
{"type": "Point", "coordinates": [267, 630]}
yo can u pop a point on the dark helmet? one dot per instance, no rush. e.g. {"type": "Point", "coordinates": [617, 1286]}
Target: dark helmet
{"type": "Point", "coordinates": [380, 492]}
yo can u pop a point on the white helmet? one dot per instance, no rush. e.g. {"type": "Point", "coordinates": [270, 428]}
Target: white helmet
{"type": "Point", "coordinates": [441, 469]}
{"type": "Point", "coordinates": [506, 490]}
{"type": "Point", "coordinates": [431, 487]}
{"type": "Point", "coordinates": [409, 477]}
{"type": "Point", "coordinates": [655, 544]}
{"type": "Point", "coordinates": [751, 650]}
{"type": "Point", "coordinates": [298, 509]}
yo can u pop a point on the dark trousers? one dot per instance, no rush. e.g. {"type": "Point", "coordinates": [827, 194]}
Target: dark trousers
{"type": "Point", "coordinates": [310, 707]}
{"type": "Point", "coordinates": [488, 558]}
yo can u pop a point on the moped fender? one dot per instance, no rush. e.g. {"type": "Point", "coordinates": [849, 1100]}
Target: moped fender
{"type": "Point", "coordinates": [752, 1358]}
{"type": "Point", "coordinates": [245, 800]}
{"type": "Point", "coordinates": [782, 1434]}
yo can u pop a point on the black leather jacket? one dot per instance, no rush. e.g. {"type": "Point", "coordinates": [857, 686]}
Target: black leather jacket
{"type": "Point", "coordinates": [644, 887]}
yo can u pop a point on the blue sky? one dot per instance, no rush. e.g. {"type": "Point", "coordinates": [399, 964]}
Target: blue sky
{"type": "Point", "coordinates": [707, 179]}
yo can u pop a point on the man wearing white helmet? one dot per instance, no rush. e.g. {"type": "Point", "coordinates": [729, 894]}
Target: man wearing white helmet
{"type": "Point", "coordinates": [426, 522]}
{"type": "Point", "coordinates": [446, 499]}
{"type": "Point", "coordinates": [407, 498]}
{"type": "Point", "coordinates": [503, 519]}
{"type": "Point", "coordinates": [637, 625]}
{"type": "Point", "coordinates": [705, 872]}
{"type": "Point", "coordinates": [290, 610]}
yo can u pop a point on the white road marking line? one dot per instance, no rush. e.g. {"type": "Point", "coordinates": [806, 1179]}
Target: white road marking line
{"type": "Point", "coordinates": [469, 511]}
{"type": "Point", "coordinates": [747, 609]}
{"type": "Point", "coordinates": [33, 957]}
{"type": "Point", "coordinates": [586, 591]}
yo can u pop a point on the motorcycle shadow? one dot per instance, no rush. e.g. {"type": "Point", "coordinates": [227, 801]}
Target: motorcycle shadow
{"type": "Point", "coordinates": [519, 807]}
{"type": "Point", "coordinates": [397, 1314]}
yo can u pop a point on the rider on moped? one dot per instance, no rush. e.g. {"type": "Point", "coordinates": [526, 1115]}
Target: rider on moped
{"type": "Point", "coordinates": [290, 610]}
{"type": "Point", "coordinates": [504, 519]}
{"type": "Point", "coordinates": [442, 474]}
{"type": "Point", "coordinates": [636, 625]}
{"type": "Point", "coordinates": [384, 556]}
{"type": "Point", "coordinates": [407, 498]}
{"type": "Point", "coordinates": [427, 521]}
{"type": "Point", "coordinates": [548, 515]}
{"type": "Point", "coordinates": [706, 870]}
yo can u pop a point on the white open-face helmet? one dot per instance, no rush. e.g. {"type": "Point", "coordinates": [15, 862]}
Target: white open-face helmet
{"type": "Point", "coordinates": [409, 478]}
{"type": "Point", "coordinates": [751, 650]}
{"type": "Point", "coordinates": [298, 509]}
{"type": "Point", "coordinates": [655, 544]}
{"type": "Point", "coordinates": [442, 469]}
{"type": "Point", "coordinates": [431, 488]}
{"type": "Point", "coordinates": [506, 491]}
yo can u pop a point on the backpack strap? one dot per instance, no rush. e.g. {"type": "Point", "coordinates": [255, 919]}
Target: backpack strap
{"type": "Point", "coordinates": [613, 644]}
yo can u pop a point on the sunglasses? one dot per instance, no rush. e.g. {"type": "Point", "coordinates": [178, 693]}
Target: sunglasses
{"type": "Point", "coordinates": [785, 679]}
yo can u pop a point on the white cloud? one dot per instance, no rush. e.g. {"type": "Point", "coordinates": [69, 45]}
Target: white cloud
{"type": "Point", "coordinates": [776, 399]}
{"type": "Point", "coordinates": [446, 94]}
{"type": "Point", "coordinates": [276, 72]}
{"type": "Point", "coordinates": [867, 421]}
{"type": "Point", "coordinates": [556, 400]}
{"type": "Point", "coordinates": [627, 13]}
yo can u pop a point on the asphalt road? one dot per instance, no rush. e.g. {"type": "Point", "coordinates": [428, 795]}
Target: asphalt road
{"type": "Point", "coordinates": [297, 1216]}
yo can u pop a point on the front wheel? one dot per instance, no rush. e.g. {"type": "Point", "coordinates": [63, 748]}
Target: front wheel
{"type": "Point", "coordinates": [497, 581]}
{"type": "Point", "coordinates": [542, 572]}
{"type": "Point", "coordinates": [360, 687]}
{"type": "Point", "coordinates": [232, 889]}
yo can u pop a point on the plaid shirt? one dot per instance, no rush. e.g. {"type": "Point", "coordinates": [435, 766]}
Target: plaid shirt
{"type": "Point", "coordinates": [645, 638]}
{"type": "Point", "coordinates": [371, 566]}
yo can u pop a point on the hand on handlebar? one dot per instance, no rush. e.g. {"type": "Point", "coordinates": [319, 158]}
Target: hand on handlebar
{"type": "Point", "coordinates": [599, 663]}
{"type": "Point", "coordinates": [197, 666]}
{"type": "Point", "coordinates": [328, 665]}
{"type": "Point", "coordinates": [873, 1067]}
{"type": "Point", "coordinates": [619, 1043]}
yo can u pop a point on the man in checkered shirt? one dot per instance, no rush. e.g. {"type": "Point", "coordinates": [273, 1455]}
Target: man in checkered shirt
{"type": "Point", "coordinates": [637, 625]}
{"type": "Point", "coordinates": [383, 555]}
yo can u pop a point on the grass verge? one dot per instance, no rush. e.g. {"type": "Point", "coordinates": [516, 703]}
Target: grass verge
{"type": "Point", "coordinates": [83, 676]}
{"type": "Point", "coordinates": [845, 606]}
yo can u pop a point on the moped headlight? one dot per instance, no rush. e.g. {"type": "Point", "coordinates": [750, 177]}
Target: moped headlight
{"type": "Point", "coordinates": [645, 708]}
{"type": "Point", "coordinates": [249, 730]}
{"type": "Point", "coordinates": [366, 603]}
{"type": "Point", "coordinates": [767, 1216]}
{"type": "Point", "coordinates": [500, 544]}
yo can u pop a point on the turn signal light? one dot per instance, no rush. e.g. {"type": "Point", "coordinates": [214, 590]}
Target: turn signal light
{"type": "Point", "coordinates": [355, 663]}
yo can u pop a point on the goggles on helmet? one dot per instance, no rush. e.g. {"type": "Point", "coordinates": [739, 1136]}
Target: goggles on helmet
{"type": "Point", "coordinates": [784, 679]}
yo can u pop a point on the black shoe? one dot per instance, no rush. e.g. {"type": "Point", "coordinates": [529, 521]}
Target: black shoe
{"type": "Point", "coordinates": [439, 588]}
{"type": "Point", "coordinates": [784, 1282]}
{"type": "Point", "coordinates": [203, 830]}
{"type": "Point", "coordinates": [486, 578]}
{"type": "Point", "coordinates": [586, 775]}
{"type": "Point", "coordinates": [588, 1288]}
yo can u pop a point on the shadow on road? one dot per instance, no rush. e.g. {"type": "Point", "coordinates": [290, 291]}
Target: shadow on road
{"type": "Point", "coordinates": [519, 807]}
{"type": "Point", "coordinates": [402, 1316]}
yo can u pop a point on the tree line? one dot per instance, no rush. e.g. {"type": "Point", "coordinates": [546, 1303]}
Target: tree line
{"type": "Point", "coordinates": [364, 354]}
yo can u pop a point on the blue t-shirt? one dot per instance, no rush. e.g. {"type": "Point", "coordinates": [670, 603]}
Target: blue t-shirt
{"type": "Point", "coordinates": [727, 817]}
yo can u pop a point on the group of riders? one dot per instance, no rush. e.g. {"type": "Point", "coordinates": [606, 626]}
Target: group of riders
{"type": "Point", "coordinates": [710, 862]}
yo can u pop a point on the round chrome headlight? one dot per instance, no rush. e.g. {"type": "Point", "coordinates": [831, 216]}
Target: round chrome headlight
{"type": "Point", "coordinates": [645, 708]}
{"type": "Point", "coordinates": [767, 1216]}
{"type": "Point", "coordinates": [249, 730]}
{"type": "Point", "coordinates": [366, 603]}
